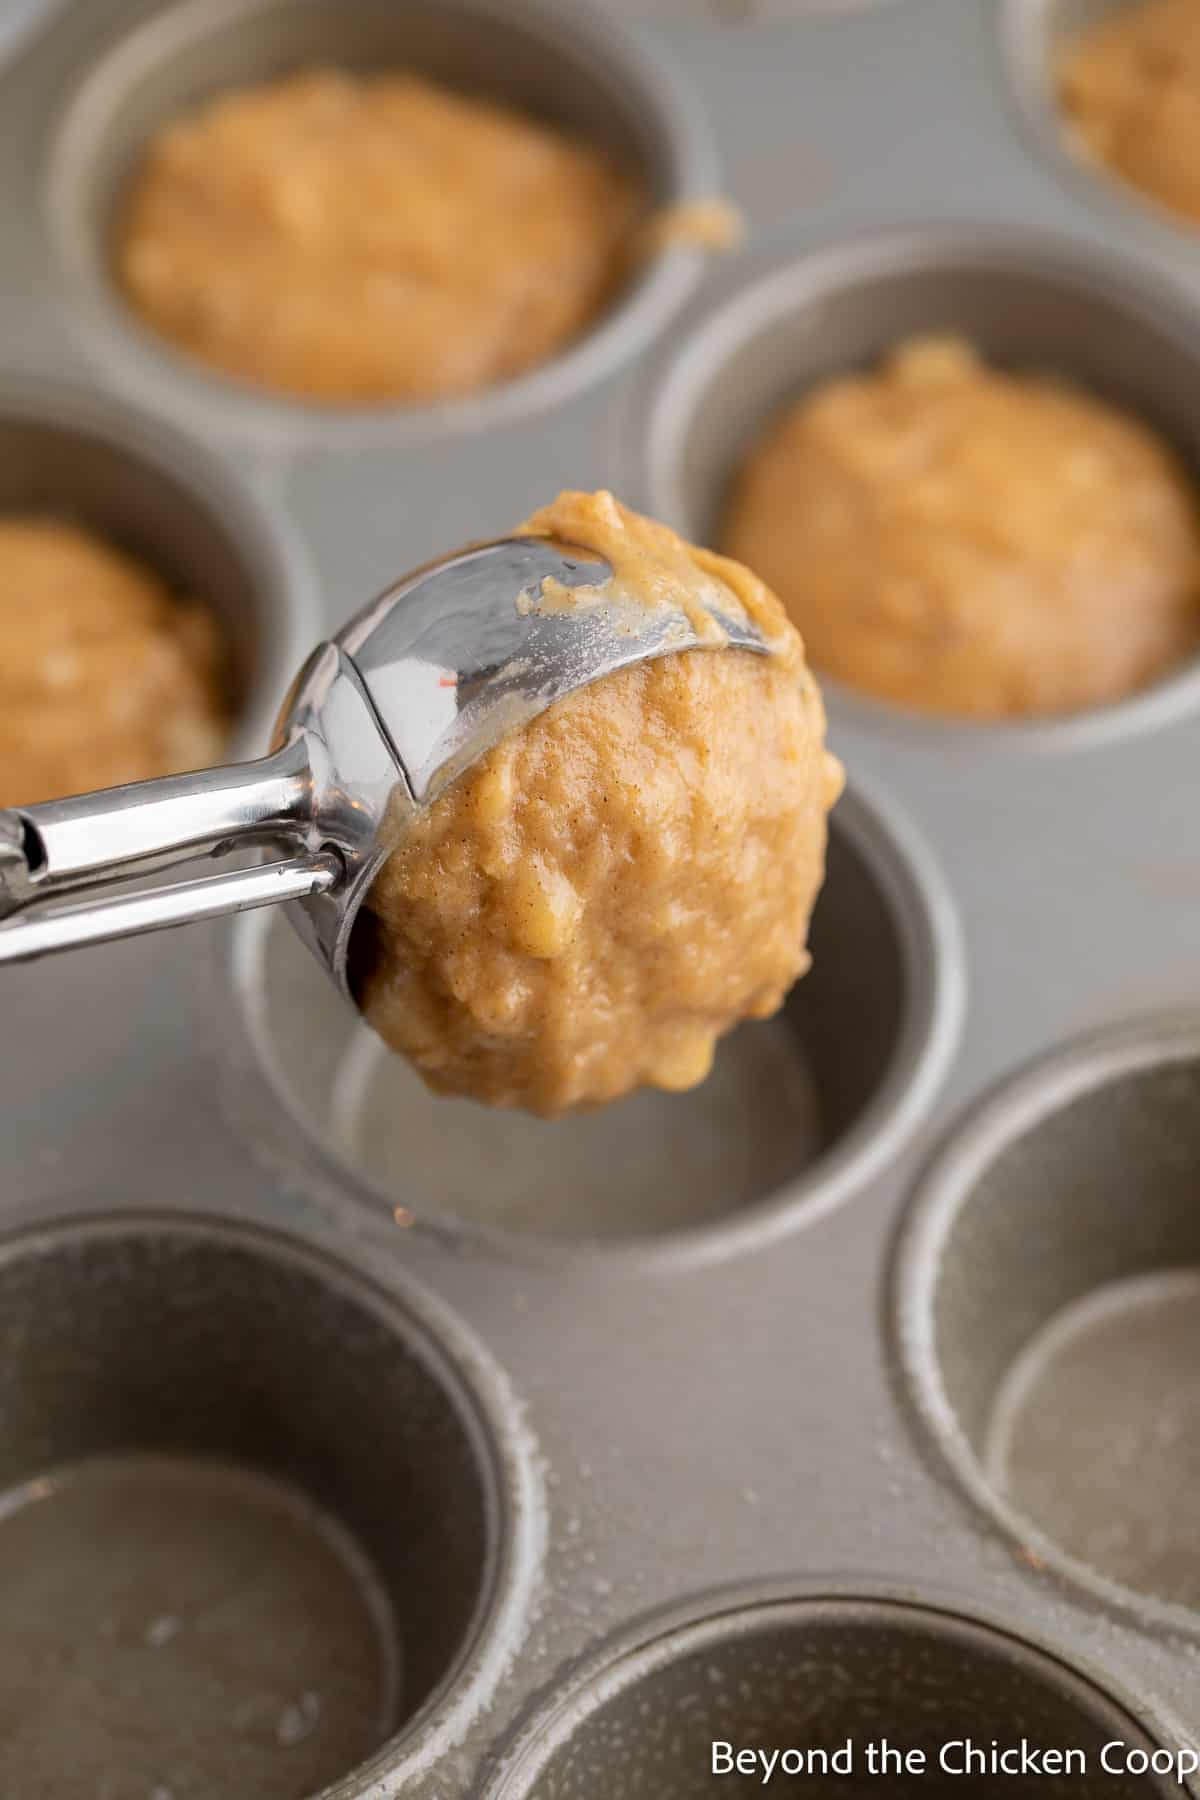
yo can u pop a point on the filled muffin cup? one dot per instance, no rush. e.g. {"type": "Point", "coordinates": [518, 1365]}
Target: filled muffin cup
{"type": "Point", "coordinates": [1039, 37]}
{"type": "Point", "coordinates": [1027, 304]}
{"type": "Point", "coordinates": [75, 457]}
{"type": "Point", "coordinates": [568, 70]}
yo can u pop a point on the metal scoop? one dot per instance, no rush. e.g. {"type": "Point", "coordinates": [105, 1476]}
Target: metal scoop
{"type": "Point", "coordinates": [416, 688]}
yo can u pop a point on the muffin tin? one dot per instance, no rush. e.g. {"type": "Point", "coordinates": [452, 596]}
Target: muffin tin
{"type": "Point", "coordinates": [851, 1396]}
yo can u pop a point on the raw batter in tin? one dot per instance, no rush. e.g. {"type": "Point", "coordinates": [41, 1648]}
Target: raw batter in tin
{"type": "Point", "coordinates": [595, 902]}
{"type": "Point", "coordinates": [372, 238]}
{"type": "Point", "coordinates": [964, 540]}
{"type": "Point", "coordinates": [105, 675]}
{"type": "Point", "coordinates": [1130, 90]}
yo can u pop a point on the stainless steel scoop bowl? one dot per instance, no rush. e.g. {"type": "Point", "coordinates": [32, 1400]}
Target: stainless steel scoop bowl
{"type": "Point", "coordinates": [415, 689]}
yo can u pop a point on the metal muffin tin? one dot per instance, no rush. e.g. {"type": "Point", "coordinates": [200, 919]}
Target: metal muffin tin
{"type": "Point", "coordinates": [853, 1395]}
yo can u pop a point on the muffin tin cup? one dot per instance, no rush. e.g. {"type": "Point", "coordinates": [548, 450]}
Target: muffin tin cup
{"type": "Point", "coordinates": [573, 68]}
{"type": "Point", "coordinates": [73, 453]}
{"type": "Point", "coordinates": [722, 1393]}
{"type": "Point", "coordinates": [1034, 34]}
{"type": "Point", "coordinates": [831, 1673]}
{"type": "Point", "coordinates": [272, 1528]}
{"type": "Point", "coordinates": [1045, 1305]}
{"type": "Point", "coordinates": [833, 307]}
{"type": "Point", "coordinates": [796, 1118]}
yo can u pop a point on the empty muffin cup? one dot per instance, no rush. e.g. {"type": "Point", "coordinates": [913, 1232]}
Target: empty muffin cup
{"type": "Point", "coordinates": [797, 1108]}
{"type": "Point", "coordinates": [254, 1519]}
{"type": "Point", "coordinates": [569, 69]}
{"type": "Point", "coordinates": [1047, 1294]}
{"type": "Point", "coordinates": [1027, 303]}
{"type": "Point", "coordinates": [69, 455]}
{"type": "Point", "coordinates": [819, 1686]}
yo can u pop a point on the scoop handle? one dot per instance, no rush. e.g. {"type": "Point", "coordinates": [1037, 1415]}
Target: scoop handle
{"type": "Point", "coordinates": [40, 931]}
{"type": "Point", "coordinates": [63, 862]}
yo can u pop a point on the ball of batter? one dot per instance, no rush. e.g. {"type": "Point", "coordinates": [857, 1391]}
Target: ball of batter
{"type": "Point", "coordinates": [358, 239]}
{"type": "Point", "coordinates": [595, 902]}
{"type": "Point", "coordinates": [105, 675]}
{"type": "Point", "coordinates": [1130, 92]}
{"type": "Point", "coordinates": [962, 540]}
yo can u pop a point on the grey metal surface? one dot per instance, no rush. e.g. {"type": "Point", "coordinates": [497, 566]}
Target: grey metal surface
{"type": "Point", "coordinates": [750, 1397]}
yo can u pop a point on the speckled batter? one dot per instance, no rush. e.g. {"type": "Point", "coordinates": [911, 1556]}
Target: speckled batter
{"type": "Point", "coordinates": [105, 675]}
{"type": "Point", "coordinates": [1130, 91]}
{"type": "Point", "coordinates": [360, 239]}
{"type": "Point", "coordinates": [613, 887]}
{"type": "Point", "coordinates": [968, 541]}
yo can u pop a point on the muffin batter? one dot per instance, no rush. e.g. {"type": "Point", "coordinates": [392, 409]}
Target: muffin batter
{"type": "Point", "coordinates": [105, 676]}
{"type": "Point", "coordinates": [1130, 90]}
{"type": "Point", "coordinates": [966, 541]}
{"type": "Point", "coordinates": [590, 906]}
{"type": "Point", "coordinates": [357, 239]}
